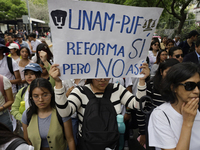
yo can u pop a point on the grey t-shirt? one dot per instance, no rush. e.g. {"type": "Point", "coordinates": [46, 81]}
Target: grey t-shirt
{"type": "Point", "coordinates": [43, 124]}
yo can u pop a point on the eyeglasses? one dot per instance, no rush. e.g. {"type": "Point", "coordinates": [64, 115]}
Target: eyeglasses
{"type": "Point", "coordinates": [44, 96]}
{"type": "Point", "coordinates": [177, 56]}
{"type": "Point", "coordinates": [189, 86]}
{"type": "Point", "coordinates": [156, 44]}
{"type": "Point", "coordinates": [106, 79]}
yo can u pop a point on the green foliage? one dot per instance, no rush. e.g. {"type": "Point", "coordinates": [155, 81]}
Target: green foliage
{"type": "Point", "coordinates": [12, 9]}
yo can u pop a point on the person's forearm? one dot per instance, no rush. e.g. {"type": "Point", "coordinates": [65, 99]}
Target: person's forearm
{"type": "Point", "coordinates": [33, 51]}
{"type": "Point", "coordinates": [46, 64]}
{"type": "Point", "coordinates": [16, 81]}
{"type": "Point", "coordinates": [71, 144]}
{"type": "Point", "coordinates": [184, 140]}
{"type": "Point", "coordinates": [7, 104]}
{"type": "Point", "coordinates": [23, 81]}
{"type": "Point", "coordinates": [58, 84]}
{"type": "Point", "coordinates": [141, 82]}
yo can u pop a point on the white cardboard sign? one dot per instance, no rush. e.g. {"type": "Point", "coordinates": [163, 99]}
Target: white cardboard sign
{"type": "Point", "coordinates": [100, 40]}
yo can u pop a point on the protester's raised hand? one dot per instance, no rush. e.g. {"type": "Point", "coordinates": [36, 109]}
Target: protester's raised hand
{"type": "Point", "coordinates": [43, 56]}
{"type": "Point", "coordinates": [54, 72]}
{"type": "Point", "coordinates": [145, 71]}
{"type": "Point", "coordinates": [189, 111]}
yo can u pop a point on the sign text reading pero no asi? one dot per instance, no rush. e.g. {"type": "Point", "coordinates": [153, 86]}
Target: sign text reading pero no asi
{"type": "Point", "coordinates": [100, 40]}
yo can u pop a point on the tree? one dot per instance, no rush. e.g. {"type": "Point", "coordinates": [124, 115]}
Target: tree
{"type": "Point", "coordinates": [12, 9]}
{"type": "Point", "coordinates": [39, 9]}
{"type": "Point", "coordinates": [175, 8]}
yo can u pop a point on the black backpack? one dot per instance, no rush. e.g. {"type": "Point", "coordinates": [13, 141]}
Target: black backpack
{"type": "Point", "coordinates": [14, 144]}
{"type": "Point", "coordinates": [99, 129]}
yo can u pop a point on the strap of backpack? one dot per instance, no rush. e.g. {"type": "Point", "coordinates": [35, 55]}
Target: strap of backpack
{"type": "Point", "coordinates": [10, 66]}
{"type": "Point", "coordinates": [14, 144]}
{"type": "Point", "coordinates": [88, 92]}
{"type": "Point", "coordinates": [167, 117]}
{"type": "Point", "coordinates": [23, 91]}
{"type": "Point", "coordinates": [108, 91]}
{"type": "Point", "coordinates": [61, 122]}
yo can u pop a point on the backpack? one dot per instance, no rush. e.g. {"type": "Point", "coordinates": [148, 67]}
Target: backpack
{"type": "Point", "coordinates": [14, 144]}
{"type": "Point", "coordinates": [99, 129]}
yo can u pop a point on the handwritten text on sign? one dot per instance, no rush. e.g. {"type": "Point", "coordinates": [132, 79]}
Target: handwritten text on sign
{"type": "Point", "coordinates": [95, 40]}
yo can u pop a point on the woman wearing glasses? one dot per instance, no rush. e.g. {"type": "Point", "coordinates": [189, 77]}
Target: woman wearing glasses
{"type": "Point", "coordinates": [41, 123]}
{"type": "Point", "coordinates": [77, 100]}
{"type": "Point", "coordinates": [161, 57]}
{"type": "Point", "coordinates": [155, 46]}
{"type": "Point", "coordinates": [175, 124]}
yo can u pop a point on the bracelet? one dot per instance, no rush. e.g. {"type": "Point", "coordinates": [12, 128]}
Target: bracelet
{"type": "Point", "coordinates": [3, 107]}
{"type": "Point", "coordinates": [127, 112]}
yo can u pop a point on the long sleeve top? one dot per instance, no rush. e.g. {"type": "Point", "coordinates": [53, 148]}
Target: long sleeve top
{"type": "Point", "coordinates": [77, 100]}
{"type": "Point", "coordinates": [157, 101]}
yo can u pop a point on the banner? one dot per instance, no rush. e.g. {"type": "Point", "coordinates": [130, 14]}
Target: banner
{"type": "Point", "coordinates": [100, 40]}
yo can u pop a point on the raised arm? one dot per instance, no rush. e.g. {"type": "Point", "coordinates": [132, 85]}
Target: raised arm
{"type": "Point", "coordinates": [65, 106]}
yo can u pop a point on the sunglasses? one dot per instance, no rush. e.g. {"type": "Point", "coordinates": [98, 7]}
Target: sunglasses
{"type": "Point", "coordinates": [177, 56]}
{"type": "Point", "coordinates": [189, 86]}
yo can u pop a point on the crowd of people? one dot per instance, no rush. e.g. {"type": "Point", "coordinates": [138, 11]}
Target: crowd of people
{"type": "Point", "coordinates": [62, 114]}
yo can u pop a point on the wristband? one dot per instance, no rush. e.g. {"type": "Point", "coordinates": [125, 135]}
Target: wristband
{"type": "Point", "coordinates": [3, 107]}
{"type": "Point", "coordinates": [127, 112]}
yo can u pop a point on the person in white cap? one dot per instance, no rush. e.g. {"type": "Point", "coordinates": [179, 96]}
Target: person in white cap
{"type": "Point", "coordinates": [14, 51]}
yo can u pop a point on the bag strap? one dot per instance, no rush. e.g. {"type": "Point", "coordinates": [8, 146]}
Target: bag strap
{"type": "Point", "coordinates": [23, 91]}
{"type": "Point", "coordinates": [88, 92]}
{"type": "Point", "coordinates": [167, 117]}
{"type": "Point", "coordinates": [10, 66]}
{"type": "Point", "coordinates": [108, 91]}
{"type": "Point", "coordinates": [61, 122]}
{"type": "Point", "coordinates": [14, 144]}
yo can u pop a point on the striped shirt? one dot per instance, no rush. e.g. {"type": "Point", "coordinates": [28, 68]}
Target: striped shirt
{"type": "Point", "coordinates": [157, 101]}
{"type": "Point", "coordinates": [77, 100]}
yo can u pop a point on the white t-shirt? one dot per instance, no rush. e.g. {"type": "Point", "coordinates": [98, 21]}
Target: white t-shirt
{"type": "Point", "coordinates": [35, 43]}
{"type": "Point", "coordinates": [165, 135]}
{"type": "Point", "coordinates": [26, 99]}
{"type": "Point", "coordinates": [4, 70]}
{"type": "Point", "coordinates": [152, 58]}
{"type": "Point", "coordinates": [20, 147]}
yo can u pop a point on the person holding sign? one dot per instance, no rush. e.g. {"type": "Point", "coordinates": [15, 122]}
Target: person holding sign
{"type": "Point", "coordinates": [78, 100]}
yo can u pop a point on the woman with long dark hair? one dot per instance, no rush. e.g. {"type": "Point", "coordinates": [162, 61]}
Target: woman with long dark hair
{"type": "Point", "coordinates": [161, 57]}
{"type": "Point", "coordinates": [153, 51]}
{"type": "Point", "coordinates": [41, 124]}
{"type": "Point", "coordinates": [45, 48]}
{"type": "Point", "coordinates": [174, 125]}
{"type": "Point", "coordinates": [153, 90]}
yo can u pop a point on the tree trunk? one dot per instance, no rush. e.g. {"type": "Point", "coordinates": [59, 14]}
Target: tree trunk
{"type": "Point", "coordinates": [183, 18]}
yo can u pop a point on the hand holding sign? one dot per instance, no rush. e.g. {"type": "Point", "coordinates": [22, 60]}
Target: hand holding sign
{"type": "Point", "coordinates": [54, 72]}
{"type": "Point", "coordinates": [146, 72]}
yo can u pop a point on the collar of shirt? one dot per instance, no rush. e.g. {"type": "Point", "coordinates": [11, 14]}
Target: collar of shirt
{"type": "Point", "coordinates": [197, 55]}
